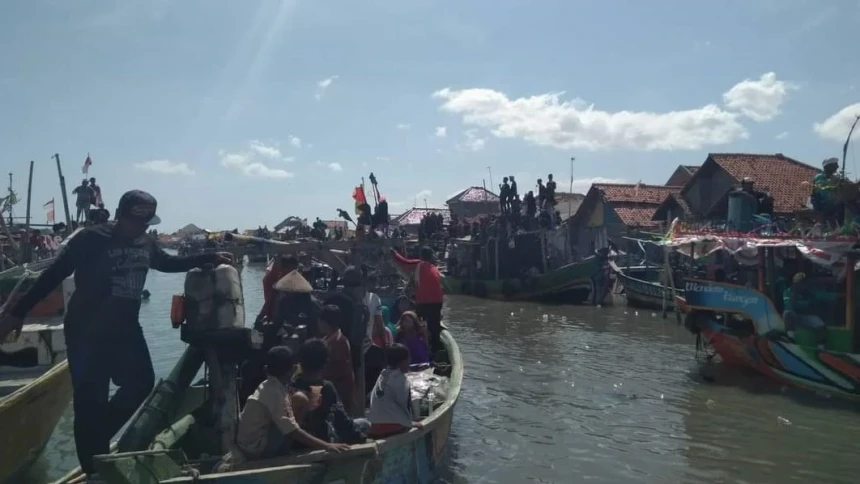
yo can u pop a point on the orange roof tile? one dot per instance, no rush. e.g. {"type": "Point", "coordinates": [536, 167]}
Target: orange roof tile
{"type": "Point", "coordinates": [780, 175]}
{"type": "Point", "coordinates": [636, 193]}
{"type": "Point", "coordinates": [634, 216]}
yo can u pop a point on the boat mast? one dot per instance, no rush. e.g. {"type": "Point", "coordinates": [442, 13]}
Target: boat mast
{"type": "Point", "coordinates": [847, 141]}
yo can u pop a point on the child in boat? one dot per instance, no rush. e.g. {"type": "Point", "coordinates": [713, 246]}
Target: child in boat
{"type": "Point", "coordinates": [266, 424]}
{"type": "Point", "coordinates": [315, 401]}
{"type": "Point", "coordinates": [338, 369]}
{"type": "Point", "coordinates": [390, 400]}
{"type": "Point", "coordinates": [412, 333]}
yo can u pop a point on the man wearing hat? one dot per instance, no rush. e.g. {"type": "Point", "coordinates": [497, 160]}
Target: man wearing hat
{"type": "Point", "coordinates": [104, 339]}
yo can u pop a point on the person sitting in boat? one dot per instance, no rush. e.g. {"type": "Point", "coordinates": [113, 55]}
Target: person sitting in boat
{"type": "Point", "coordinates": [278, 268]}
{"type": "Point", "coordinates": [797, 302]}
{"type": "Point", "coordinates": [296, 305]}
{"type": "Point", "coordinates": [824, 186]}
{"type": "Point", "coordinates": [267, 426]}
{"type": "Point", "coordinates": [391, 398]}
{"type": "Point", "coordinates": [429, 293]}
{"type": "Point", "coordinates": [328, 419]}
{"type": "Point", "coordinates": [412, 333]}
{"type": "Point", "coordinates": [338, 369]}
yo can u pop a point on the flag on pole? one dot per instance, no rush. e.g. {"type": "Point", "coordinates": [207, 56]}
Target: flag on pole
{"type": "Point", "coordinates": [87, 163]}
{"type": "Point", "coordinates": [50, 208]}
{"type": "Point", "coordinates": [359, 197]}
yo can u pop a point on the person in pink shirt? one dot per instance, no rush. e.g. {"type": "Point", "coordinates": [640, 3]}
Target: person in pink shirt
{"type": "Point", "coordinates": [428, 290]}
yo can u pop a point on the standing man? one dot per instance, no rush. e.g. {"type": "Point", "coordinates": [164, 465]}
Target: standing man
{"type": "Point", "coordinates": [104, 339]}
{"type": "Point", "coordinates": [85, 197]}
{"type": "Point", "coordinates": [428, 290]}
{"type": "Point", "coordinates": [360, 331]}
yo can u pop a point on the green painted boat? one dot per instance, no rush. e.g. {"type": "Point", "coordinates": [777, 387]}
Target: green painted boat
{"type": "Point", "coordinates": [181, 452]}
{"type": "Point", "coordinates": [582, 282]}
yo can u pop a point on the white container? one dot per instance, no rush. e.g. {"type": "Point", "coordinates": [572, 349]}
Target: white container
{"type": "Point", "coordinates": [213, 299]}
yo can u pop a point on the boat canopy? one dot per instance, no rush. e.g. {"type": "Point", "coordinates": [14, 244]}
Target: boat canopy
{"type": "Point", "coordinates": [830, 253]}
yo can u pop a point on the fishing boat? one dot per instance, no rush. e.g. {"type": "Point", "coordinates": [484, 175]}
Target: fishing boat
{"type": "Point", "coordinates": [742, 322]}
{"type": "Point", "coordinates": [186, 432]}
{"type": "Point", "coordinates": [643, 282]}
{"type": "Point", "coordinates": [35, 388]}
{"type": "Point", "coordinates": [529, 267]}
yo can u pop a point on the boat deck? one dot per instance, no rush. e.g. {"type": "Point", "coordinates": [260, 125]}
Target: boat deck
{"type": "Point", "coordinates": [13, 379]}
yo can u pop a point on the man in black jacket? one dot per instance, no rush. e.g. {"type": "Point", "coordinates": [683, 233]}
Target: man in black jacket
{"type": "Point", "coordinates": [104, 340]}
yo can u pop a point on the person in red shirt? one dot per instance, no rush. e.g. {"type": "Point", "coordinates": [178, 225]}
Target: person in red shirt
{"type": "Point", "coordinates": [428, 290]}
{"type": "Point", "coordinates": [276, 270]}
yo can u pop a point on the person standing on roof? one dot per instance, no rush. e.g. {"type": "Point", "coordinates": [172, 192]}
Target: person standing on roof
{"type": "Point", "coordinates": [104, 340]}
{"type": "Point", "coordinates": [428, 290]}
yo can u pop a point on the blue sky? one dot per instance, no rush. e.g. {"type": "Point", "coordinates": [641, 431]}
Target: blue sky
{"type": "Point", "coordinates": [241, 113]}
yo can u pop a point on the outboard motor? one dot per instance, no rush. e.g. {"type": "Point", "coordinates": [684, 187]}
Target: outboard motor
{"type": "Point", "coordinates": [214, 321]}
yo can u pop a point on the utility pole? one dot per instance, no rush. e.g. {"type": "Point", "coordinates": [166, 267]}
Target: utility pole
{"type": "Point", "coordinates": [490, 172]}
{"type": "Point", "coordinates": [572, 159]}
{"type": "Point", "coordinates": [11, 221]}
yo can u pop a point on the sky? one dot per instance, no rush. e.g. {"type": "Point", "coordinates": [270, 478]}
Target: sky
{"type": "Point", "coordinates": [239, 114]}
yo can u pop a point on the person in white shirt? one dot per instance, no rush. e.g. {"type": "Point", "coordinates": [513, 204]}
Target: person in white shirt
{"type": "Point", "coordinates": [390, 400]}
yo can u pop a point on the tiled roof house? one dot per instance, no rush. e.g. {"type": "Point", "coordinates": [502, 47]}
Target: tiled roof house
{"type": "Point", "coordinates": [473, 202]}
{"type": "Point", "coordinates": [706, 193]}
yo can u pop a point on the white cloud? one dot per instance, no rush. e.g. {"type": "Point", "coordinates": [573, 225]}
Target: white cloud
{"type": "Point", "coordinates": [548, 120]}
{"type": "Point", "coordinates": [441, 131]}
{"type": "Point", "coordinates": [383, 158]}
{"type": "Point", "coordinates": [403, 126]}
{"type": "Point", "coordinates": [247, 164]}
{"type": "Point", "coordinates": [836, 127]}
{"type": "Point", "coordinates": [166, 167]}
{"type": "Point", "coordinates": [322, 86]}
{"type": "Point", "coordinates": [335, 167]}
{"type": "Point", "coordinates": [423, 194]}
{"type": "Point", "coordinates": [289, 159]}
{"type": "Point", "coordinates": [473, 142]}
{"type": "Point", "coordinates": [782, 135]}
{"type": "Point", "coordinates": [295, 141]}
{"type": "Point", "coordinates": [265, 150]}
{"type": "Point", "coordinates": [760, 99]}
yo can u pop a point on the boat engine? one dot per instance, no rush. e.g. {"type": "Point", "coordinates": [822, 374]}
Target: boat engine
{"type": "Point", "coordinates": [212, 318]}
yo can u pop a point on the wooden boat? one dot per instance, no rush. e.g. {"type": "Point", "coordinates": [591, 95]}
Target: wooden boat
{"type": "Point", "coordinates": [178, 454]}
{"type": "Point", "coordinates": [642, 287]}
{"type": "Point", "coordinates": [184, 432]}
{"type": "Point", "coordinates": [583, 282]}
{"type": "Point", "coordinates": [35, 387]}
{"type": "Point", "coordinates": [744, 326]}
{"type": "Point", "coordinates": [53, 305]}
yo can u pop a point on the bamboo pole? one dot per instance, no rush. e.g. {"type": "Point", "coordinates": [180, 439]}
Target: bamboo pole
{"type": "Point", "coordinates": [28, 248]}
{"type": "Point", "coordinates": [65, 195]}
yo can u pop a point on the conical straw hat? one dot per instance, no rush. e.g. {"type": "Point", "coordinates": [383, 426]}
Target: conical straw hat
{"type": "Point", "coordinates": [295, 283]}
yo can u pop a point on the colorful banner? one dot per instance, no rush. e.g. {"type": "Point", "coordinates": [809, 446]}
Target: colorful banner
{"type": "Point", "coordinates": [50, 209]}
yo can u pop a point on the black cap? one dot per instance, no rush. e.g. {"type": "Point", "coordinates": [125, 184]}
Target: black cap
{"type": "Point", "coordinates": [139, 205]}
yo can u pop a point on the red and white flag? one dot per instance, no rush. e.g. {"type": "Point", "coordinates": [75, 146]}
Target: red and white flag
{"type": "Point", "coordinates": [50, 208]}
{"type": "Point", "coordinates": [87, 163]}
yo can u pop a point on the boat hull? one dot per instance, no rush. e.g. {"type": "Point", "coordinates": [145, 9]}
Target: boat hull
{"type": "Point", "coordinates": [583, 282]}
{"type": "Point", "coordinates": [418, 456]}
{"type": "Point", "coordinates": [28, 417]}
{"type": "Point", "coordinates": [808, 368]}
{"type": "Point", "coordinates": [646, 294]}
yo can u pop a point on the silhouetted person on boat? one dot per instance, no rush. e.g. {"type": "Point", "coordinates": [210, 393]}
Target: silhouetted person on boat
{"type": "Point", "coordinates": [797, 303]}
{"type": "Point", "coordinates": [278, 268]}
{"type": "Point", "coordinates": [104, 339]}
{"type": "Point", "coordinates": [504, 195]}
{"type": "Point", "coordinates": [428, 290]}
{"type": "Point", "coordinates": [541, 197]}
{"type": "Point", "coordinates": [550, 192]}
{"type": "Point", "coordinates": [97, 193]}
{"type": "Point", "coordinates": [85, 198]}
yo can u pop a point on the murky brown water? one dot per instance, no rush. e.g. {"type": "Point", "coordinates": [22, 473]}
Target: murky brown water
{"type": "Point", "coordinates": [568, 394]}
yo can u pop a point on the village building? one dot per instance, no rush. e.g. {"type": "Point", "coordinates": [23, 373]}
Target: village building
{"type": "Point", "coordinates": [610, 211]}
{"type": "Point", "coordinates": [410, 220]}
{"type": "Point", "coordinates": [681, 175]}
{"type": "Point", "coordinates": [705, 195]}
{"type": "Point", "coordinates": [474, 202]}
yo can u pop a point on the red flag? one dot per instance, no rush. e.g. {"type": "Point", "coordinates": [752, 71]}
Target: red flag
{"type": "Point", "coordinates": [359, 197]}
{"type": "Point", "coordinates": [87, 163]}
{"type": "Point", "coordinates": [50, 208]}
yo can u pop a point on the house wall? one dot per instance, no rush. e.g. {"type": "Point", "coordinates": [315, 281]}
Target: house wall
{"type": "Point", "coordinates": [708, 188]}
{"type": "Point", "coordinates": [594, 229]}
{"type": "Point", "coordinates": [473, 209]}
